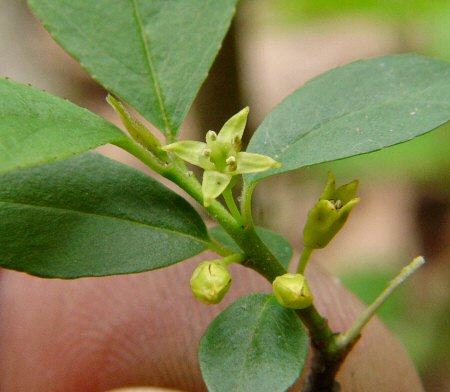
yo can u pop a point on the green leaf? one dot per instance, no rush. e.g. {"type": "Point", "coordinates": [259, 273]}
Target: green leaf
{"type": "Point", "coordinates": [36, 127]}
{"type": "Point", "coordinates": [254, 345]}
{"type": "Point", "coordinates": [277, 244]}
{"type": "Point", "coordinates": [361, 107]}
{"type": "Point", "coordinates": [153, 54]}
{"type": "Point", "coordinates": [92, 216]}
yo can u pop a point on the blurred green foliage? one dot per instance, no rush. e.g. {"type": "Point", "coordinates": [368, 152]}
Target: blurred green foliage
{"type": "Point", "coordinates": [431, 18]}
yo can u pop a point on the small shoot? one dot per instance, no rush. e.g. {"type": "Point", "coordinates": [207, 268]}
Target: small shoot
{"type": "Point", "coordinates": [351, 335]}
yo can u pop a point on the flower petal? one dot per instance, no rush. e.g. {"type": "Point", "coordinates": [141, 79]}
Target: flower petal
{"type": "Point", "coordinates": [347, 192]}
{"type": "Point", "coordinates": [330, 188]}
{"type": "Point", "coordinates": [344, 193]}
{"type": "Point", "coordinates": [344, 212]}
{"type": "Point", "coordinates": [192, 152]}
{"type": "Point", "coordinates": [248, 162]}
{"type": "Point", "coordinates": [234, 127]}
{"type": "Point", "coordinates": [214, 183]}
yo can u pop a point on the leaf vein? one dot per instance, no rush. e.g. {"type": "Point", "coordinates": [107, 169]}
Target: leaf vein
{"type": "Point", "coordinates": [68, 211]}
{"type": "Point", "coordinates": [151, 67]}
{"type": "Point", "coordinates": [250, 341]}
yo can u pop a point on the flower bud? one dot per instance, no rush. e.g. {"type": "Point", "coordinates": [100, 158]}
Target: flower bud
{"type": "Point", "coordinates": [329, 214]}
{"type": "Point", "coordinates": [210, 282]}
{"type": "Point", "coordinates": [137, 130]}
{"type": "Point", "coordinates": [292, 291]}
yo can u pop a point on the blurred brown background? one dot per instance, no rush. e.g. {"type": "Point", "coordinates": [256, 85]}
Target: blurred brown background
{"type": "Point", "coordinates": [275, 46]}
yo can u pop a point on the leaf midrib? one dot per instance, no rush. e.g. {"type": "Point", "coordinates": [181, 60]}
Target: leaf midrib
{"type": "Point", "coordinates": [134, 222]}
{"type": "Point", "coordinates": [251, 339]}
{"type": "Point", "coordinates": [153, 77]}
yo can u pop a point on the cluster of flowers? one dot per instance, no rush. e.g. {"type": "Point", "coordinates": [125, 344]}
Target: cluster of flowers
{"type": "Point", "coordinates": [221, 158]}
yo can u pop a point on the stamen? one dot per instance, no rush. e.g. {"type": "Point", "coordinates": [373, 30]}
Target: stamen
{"type": "Point", "coordinates": [236, 143]}
{"type": "Point", "coordinates": [206, 152]}
{"type": "Point", "coordinates": [231, 162]}
{"type": "Point", "coordinates": [211, 136]}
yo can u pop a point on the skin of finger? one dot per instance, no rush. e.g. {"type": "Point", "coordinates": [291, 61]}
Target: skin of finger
{"type": "Point", "coordinates": [97, 334]}
{"type": "Point", "coordinates": [143, 389]}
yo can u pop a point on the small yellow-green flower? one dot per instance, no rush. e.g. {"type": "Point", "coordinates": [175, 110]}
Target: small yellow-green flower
{"type": "Point", "coordinates": [210, 281]}
{"type": "Point", "coordinates": [221, 156]}
{"type": "Point", "coordinates": [330, 213]}
{"type": "Point", "coordinates": [292, 291]}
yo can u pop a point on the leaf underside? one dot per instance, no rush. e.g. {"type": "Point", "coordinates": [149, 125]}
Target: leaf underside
{"type": "Point", "coordinates": [153, 54]}
{"type": "Point", "coordinates": [355, 109]}
{"type": "Point", "coordinates": [92, 216]}
{"type": "Point", "coordinates": [254, 345]}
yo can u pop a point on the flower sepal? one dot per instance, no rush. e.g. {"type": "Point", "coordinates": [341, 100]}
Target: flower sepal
{"type": "Point", "coordinates": [210, 281]}
{"type": "Point", "coordinates": [292, 291]}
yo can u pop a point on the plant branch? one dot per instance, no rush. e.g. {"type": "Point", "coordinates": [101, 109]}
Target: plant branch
{"type": "Point", "coordinates": [258, 256]}
{"type": "Point", "coordinates": [234, 258]}
{"type": "Point", "coordinates": [321, 334]}
{"type": "Point", "coordinates": [304, 258]}
{"type": "Point", "coordinates": [346, 338]}
{"type": "Point", "coordinates": [220, 249]}
{"type": "Point", "coordinates": [144, 156]}
{"type": "Point", "coordinates": [231, 204]}
{"type": "Point", "coordinates": [330, 350]}
{"type": "Point", "coordinates": [328, 355]}
{"type": "Point", "coordinates": [246, 203]}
